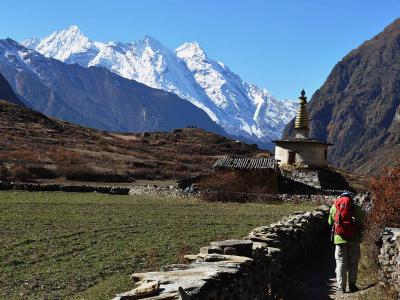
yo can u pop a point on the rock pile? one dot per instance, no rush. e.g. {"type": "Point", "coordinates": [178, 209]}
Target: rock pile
{"type": "Point", "coordinates": [164, 191]}
{"type": "Point", "coordinates": [252, 268]}
{"type": "Point", "coordinates": [389, 258]}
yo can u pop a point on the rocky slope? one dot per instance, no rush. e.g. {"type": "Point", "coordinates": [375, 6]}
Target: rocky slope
{"type": "Point", "coordinates": [37, 147]}
{"type": "Point", "coordinates": [358, 107]}
{"type": "Point", "coordinates": [94, 97]}
{"type": "Point", "coordinates": [242, 109]}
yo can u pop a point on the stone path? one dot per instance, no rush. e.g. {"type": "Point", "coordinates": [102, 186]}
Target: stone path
{"type": "Point", "coordinates": [314, 278]}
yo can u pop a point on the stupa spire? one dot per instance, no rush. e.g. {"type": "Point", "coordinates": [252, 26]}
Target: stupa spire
{"type": "Point", "coordinates": [302, 122]}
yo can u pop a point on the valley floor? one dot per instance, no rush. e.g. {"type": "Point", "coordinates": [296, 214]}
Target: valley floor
{"type": "Point", "coordinates": [85, 246]}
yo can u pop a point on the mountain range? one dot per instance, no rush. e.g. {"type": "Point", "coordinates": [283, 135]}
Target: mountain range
{"type": "Point", "coordinates": [240, 108]}
{"type": "Point", "coordinates": [357, 109]}
{"type": "Point", "coordinates": [94, 97]}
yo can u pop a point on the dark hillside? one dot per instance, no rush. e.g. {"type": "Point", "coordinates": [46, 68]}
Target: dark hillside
{"type": "Point", "coordinates": [358, 107]}
{"type": "Point", "coordinates": [34, 146]}
{"type": "Point", "coordinates": [6, 92]}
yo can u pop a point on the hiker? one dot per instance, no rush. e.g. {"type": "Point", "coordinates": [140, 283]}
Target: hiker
{"type": "Point", "coordinates": [347, 218]}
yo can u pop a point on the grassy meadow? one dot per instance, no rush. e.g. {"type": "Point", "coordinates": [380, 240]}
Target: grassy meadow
{"type": "Point", "coordinates": [85, 246]}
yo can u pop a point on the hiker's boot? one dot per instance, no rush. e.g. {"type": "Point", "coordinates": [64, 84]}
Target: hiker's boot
{"type": "Point", "coordinates": [353, 288]}
{"type": "Point", "coordinates": [341, 291]}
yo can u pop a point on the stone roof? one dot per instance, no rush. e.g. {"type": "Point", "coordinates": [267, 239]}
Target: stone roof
{"type": "Point", "coordinates": [246, 163]}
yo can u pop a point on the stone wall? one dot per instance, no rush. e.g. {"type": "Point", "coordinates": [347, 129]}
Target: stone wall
{"type": "Point", "coordinates": [389, 258]}
{"type": "Point", "coordinates": [154, 190]}
{"type": "Point", "coordinates": [252, 268]}
{"type": "Point", "coordinates": [35, 187]}
{"type": "Point", "coordinates": [323, 179]}
{"type": "Point", "coordinates": [308, 177]}
{"type": "Point", "coordinates": [164, 191]}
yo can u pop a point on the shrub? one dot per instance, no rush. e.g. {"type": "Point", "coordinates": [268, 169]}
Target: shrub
{"type": "Point", "coordinates": [148, 173]}
{"type": "Point", "coordinates": [20, 173]}
{"type": "Point", "coordinates": [226, 196]}
{"type": "Point", "coordinates": [152, 259]}
{"type": "Point", "coordinates": [386, 206]}
{"type": "Point", "coordinates": [25, 155]}
{"type": "Point", "coordinates": [182, 251]}
{"type": "Point", "coordinates": [3, 172]}
{"type": "Point", "coordinates": [76, 172]}
{"type": "Point", "coordinates": [6, 156]}
{"type": "Point", "coordinates": [386, 195]}
{"type": "Point", "coordinates": [85, 173]}
{"type": "Point", "coordinates": [253, 182]}
{"type": "Point", "coordinates": [42, 172]}
{"type": "Point", "coordinates": [65, 156]}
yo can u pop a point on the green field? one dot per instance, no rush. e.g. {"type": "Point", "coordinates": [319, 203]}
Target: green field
{"type": "Point", "coordinates": [71, 245]}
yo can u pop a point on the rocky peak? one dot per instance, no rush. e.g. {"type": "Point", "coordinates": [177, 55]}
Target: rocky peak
{"type": "Point", "coordinates": [190, 50]}
{"type": "Point", "coordinates": [62, 44]}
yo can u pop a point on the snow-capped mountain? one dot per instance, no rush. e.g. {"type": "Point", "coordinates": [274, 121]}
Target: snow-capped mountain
{"type": "Point", "coordinates": [94, 97]}
{"type": "Point", "coordinates": [241, 106]}
{"type": "Point", "coordinates": [242, 109]}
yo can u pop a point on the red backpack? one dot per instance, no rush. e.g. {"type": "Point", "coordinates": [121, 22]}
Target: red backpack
{"type": "Point", "coordinates": [345, 226]}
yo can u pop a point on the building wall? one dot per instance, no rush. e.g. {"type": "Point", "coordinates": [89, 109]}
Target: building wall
{"type": "Point", "coordinates": [307, 153]}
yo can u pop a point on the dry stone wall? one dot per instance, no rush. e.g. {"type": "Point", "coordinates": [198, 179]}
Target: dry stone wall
{"type": "Point", "coordinates": [252, 268]}
{"type": "Point", "coordinates": [35, 187]}
{"type": "Point", "coordinates": [154, 190]}
{"type": "Point", "coordinates": [321, 179]}
{"type": "Point", "coordinates": [164, 191]}
{"type": "Point", "coordinates": [389, 258]}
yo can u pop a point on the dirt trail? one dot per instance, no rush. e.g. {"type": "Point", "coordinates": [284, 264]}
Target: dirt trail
{"type": "Point", "coordinates": [314, 278]}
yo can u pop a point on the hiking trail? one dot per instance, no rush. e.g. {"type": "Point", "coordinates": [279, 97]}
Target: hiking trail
{"type": "Point", "coordinates": [314, 278]}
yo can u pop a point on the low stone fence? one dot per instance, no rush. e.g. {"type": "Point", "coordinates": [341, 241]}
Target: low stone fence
{"type": "Point", "coordinates": [326, 199]}
{"type": "Point", "coordinates": [389, 258]}
{"type": "Point", "coordinates": [165, 191]}
{"type": "Point", "coordinates": [36, 187]}
{"type": "Point", "coordinates": [173, 191]}
{"type": "Point", "coordinates": [252, 268]}
{"type": "Point", "coordinates": [224, 196]}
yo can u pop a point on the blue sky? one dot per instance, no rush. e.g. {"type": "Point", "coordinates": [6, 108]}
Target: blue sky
{"type": "Point", "coordinates": [281, 45]}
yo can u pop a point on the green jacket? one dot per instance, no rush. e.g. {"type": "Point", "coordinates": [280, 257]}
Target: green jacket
{"type": "Point", "coordinates": [359, 215]}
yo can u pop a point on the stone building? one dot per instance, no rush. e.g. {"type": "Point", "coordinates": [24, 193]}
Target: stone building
{"type": "Point", "coordinates": [301, 149]}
